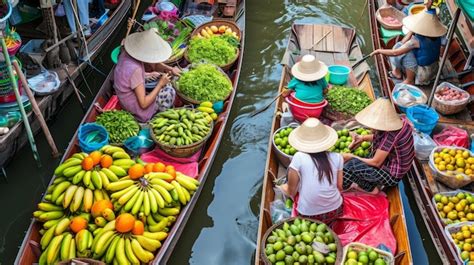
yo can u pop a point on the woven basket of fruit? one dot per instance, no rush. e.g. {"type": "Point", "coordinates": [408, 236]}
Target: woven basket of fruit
{"type": "Point", "coordinates": [356, 253]}
{"type": "Point", "coordinates": [451, 203]}
{"type": "Point", "coordinates": [449, 99]}
{"type": "Point", "coordinates": [181, 132]}
{"type": "Point", "coordinates": [453, 166]}
{"type": "Point", "coordinates": [460, 235]}
{"type": "Point", "coordinates": [283, 150]}
{"type": "Point", "coordinates": [311, 241]}
{"type": "Point", "coordinates": [222, 25]}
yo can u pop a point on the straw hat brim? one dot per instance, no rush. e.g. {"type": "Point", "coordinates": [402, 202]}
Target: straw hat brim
{"type": "Point", "coordinates": [309, 77]}
{"type": "Point", "coordinates": [380, 116]}
{"type": "Point", "coordinates": [425, 24]}
{"type": "Point", "coordinates": [313, 146]}
{"type": "Point", "coordinates": [152, 49]}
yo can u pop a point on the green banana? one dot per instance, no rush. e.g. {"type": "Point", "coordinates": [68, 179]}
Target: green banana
{"type": "Point", "coordinates": [158, 198]}
{"type": "Point", "coordinates": [50, 216]}
{"type": "Point", "coordinates": [53, 249]}
{"type": "Point", "coordinates": [110, 253]}
{"type": "Point", "coordinates": [72, 250]}
{"type": "Point", "coordinates": [71, 171]}
{"type": "Point", "coordinates": [158, 227]}
{"type": "Point", "coordinates": [118, 171]}
{"type": "Point", "coordinates": [60, 169]}
{"type": "Point", "coordinates": [138, 203]}
{"type": "Point", "coordinates": [164, 193]}
{"type": "Point", "coordinates": [186, 183]}
{"type": "Point", "coordinates": [46, 238]}
{"type": "Point", "coordinates": [65, 247]}
{"type": "Point", "coordinates": [103, 243]}
{"type": "Point", "coordinates": [104, 179]}
{"type": "Point", "coordinates": [82, 238]}
{"type": "Point", "coordinates": [98, 195]}
{"type": "Point", "coordinates": [48, 224]}
{"type": "Point", "coordinates": [120, 252]}
{"type": "Point", "coordinates": [155, 235]}
{"type": "Point", "coordinates": [120, 185]}
{"type": "Point", "coordinates": [87, 178]}
{"type": "Point", "coordinates": [59, 189]}
{"type": "Point", "coordinates": [152, 202]}
{"type": "Point", "coordinates": [181, 195]}
{"type": "Point", "coordinates": [60, 199]}
{"type": "Point", "coordinates": [48, 207]}
{"type": "Point", "coordinates": [118, 194]}
{"type": "Point", "coordinates": [150, 220]}
{"type": "Point", "coordinates": [162, 183]}
{"type": "Point", "coordinates": [129, 205]}
{"type": "Point", "coordinates": [169, 211]}
{"type": "Point", "coordinates": [110, 175]}
{"type": "Point", "coordinates": [96, 180]}
{"type": "Point", "coordinates": [62, 226]}
{"type": "Point", "coordinates": [120, 155]}
{"type": "Point", "coordinates": [78, 177]}
{"type": "Point", "coordinates": [129, 253]}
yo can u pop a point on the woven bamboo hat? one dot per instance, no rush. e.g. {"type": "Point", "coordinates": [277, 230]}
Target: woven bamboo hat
{"type": "Point", "coordinates": [312, 137]}
{"type": "Point", "coordinates": [147, 46]}
{"type": "Point", "coordinates": [425, 23]}
{"type": "Point", "coordinates": [309, 69]}
{"type": "Point", "coordinates": [380, 115]}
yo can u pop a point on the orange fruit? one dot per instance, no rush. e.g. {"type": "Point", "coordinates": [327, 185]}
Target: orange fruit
{"type": "Point", "coordinates": [149, 168]}
{"type": "Point", "coordinates": [99, 206]}
{"type": "Point", "coordinates": [124, 223]}
{"type": "Point", "coordinates": [77, 224]}
{"type": "Point", "coordinates": [96, 156]}
{"type": "Point", "coordinates": [138, 228]}
{"type": "Point", "coordinates": [87, 163]}
{"type": "Point", "coordinates": [170, 170]}
{"type": "Point", "coordinates": [159, 167]}
{"type": "Point", "coordinates": [106, 161]}
{"type": "Point", "coordinates": [136, 171]}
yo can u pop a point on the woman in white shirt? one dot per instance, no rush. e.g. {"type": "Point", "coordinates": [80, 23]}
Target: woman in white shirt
{"type": "Point", "coordinates": [314, 173]}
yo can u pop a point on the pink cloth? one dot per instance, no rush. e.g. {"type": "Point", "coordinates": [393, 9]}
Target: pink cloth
{"type": "Point", "coordinates": [186, 165]}
{"type": "Point", "coordinates": [129, 74]}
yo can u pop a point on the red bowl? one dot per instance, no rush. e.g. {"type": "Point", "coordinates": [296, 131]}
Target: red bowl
{"type": "Point", "coordinates": [304, 103]}
{"type": "Point", "coordinates": [302, 111]}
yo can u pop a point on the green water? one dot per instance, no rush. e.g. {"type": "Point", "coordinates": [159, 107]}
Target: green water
{"type": "Point", "coordinates": [223, 226]}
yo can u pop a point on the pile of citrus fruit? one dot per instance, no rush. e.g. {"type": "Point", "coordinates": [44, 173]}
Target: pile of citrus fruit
{"type": "Point", "coordinates": [454, 162]}
{"type": "Point", "coordinates": [456, 208]}
{"type": "Point", "coordinates": [281, 141]}
{"type": "Point", "coordinates": [464, 240]}
{"type": "Point", "coordinates": [368, 256]}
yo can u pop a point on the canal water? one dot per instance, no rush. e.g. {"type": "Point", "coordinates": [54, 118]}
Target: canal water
{"type": "Point", "coordinates": [223, 226]}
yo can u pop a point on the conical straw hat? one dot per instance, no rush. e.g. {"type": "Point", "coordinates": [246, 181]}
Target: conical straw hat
{"type": "Point", "coordinates": [309, 69]}
{"type": "Point", "coordinates": [147, 46]}
{"type": "Point", "coordinates": [425, 23]}
{"type": "Point", "coordinates": [380, 115]}
{"type": "Point", "coordinates": [312, 137]}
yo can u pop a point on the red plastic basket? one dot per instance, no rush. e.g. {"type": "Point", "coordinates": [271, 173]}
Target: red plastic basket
{"type": "Point", "coordinates": [303, 110]}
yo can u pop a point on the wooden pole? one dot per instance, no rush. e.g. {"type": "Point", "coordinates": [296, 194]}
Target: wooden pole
{"type": "Point", "coordinates": [451, 30]}
{"type": "Point", "coordinates": [36, 110]}
{"type": "Point", "coordinates": [76, 90]}
{"type": "Point", "coordinates": [137, 5]}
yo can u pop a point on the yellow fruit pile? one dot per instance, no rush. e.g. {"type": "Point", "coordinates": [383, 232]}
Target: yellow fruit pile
{"type": "Point", "coordinates": [464, 240]}
{"type": "Point", "coordinates": [207, 32]}
{"type": "Point", "coordinates": [455, 209]}
{"type": "Point", "coordinates": [454, 162]}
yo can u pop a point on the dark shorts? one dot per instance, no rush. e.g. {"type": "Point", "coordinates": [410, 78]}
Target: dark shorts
{"type": "Point", "coordinates": [367, 177]}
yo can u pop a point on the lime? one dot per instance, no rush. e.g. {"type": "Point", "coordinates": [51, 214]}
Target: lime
{"type": "Point", "coordinates": [352, 255]}
{"type": "Point", "coordinates": [379, 261]}
{"type": "Point", "coordinates": [363, 259]}
{"type": "Point", "coordinates": [277, 141]}
{"type": "Point", "coordinates": [373, 255]}
{"type": "Point", "coordinates": [345, 132]}
{"type": "Point", "coordinates": [365, 144]}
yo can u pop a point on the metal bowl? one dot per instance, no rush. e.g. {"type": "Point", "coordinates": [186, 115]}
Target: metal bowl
{"type": "Point", "coordinates": [284, 159]}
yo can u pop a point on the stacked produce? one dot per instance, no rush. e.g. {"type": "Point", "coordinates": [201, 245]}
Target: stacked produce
{"type": "Point", "coordinates": [450, 94]}
{"type": "Point", "coordinates": [455, 163]}
{"type": "Point", "coordinates": [205, 82]}
{"type": "Point", "coordinates": [455, 208]}
{"type": "Point", "coordinates": [368, 256]}
{"type": "Point", "coordinates": [464, 240]}
{"type": "Point", "coordinates": [347, 100]}
{"type": "Point", "coordinates": [214, 49]}
{"type": "Point", "coordinates": [217, 30]}
{"type": "Point", "coordinates": [120, 125]}
{"type": "Point", "coordinates": [181, 126]}
{"type": "Point", "coordinates": [295, 240]}
{"type": "Point", "coordinates": [206, 106]}
{"type": "Point", "coordinates": [345, 140]}
{"type": "Point", "coordinates": [281, 141]}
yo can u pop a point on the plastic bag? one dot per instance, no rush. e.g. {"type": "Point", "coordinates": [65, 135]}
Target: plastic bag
{"type": "Point", "coordinates": [141, 143]}
{"type": "Point", "coordinates": [278, 209]}
{"type": "Point", "coordinates": [452, 136]}
{"type": "Point", "coordinates": [424, 144]}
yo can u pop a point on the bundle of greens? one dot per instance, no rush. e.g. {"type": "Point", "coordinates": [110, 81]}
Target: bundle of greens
{"type": "Point", "coordinates": [215, 49]}
{"type": "Point", "coordinates": [205, 83]}
{"type": "Point", "coordinates": [120, 125]}
{"type": "Point", "coordinates": [175, 33]}
{"type": "Point", "coordinates": [347, 99]}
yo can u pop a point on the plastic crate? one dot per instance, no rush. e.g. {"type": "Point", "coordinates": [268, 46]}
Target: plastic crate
{"type": "Point", "coordinates": [387, 256]}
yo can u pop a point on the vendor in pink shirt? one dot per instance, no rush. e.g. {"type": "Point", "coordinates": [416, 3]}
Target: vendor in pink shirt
{"type": "Point", "coordinates": [144, 50]}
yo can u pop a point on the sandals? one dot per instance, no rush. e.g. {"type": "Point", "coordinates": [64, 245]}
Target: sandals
{"type": "Point", "coordinates": [392, 76]}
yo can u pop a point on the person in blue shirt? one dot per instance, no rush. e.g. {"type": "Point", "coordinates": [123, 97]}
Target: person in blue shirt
{"type": "Point", "coordinates": [417, 55]}
{"type": "Point", "coordinates": [308, 80]}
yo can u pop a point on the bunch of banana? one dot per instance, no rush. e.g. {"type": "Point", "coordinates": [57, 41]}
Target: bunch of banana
{"type": "Point", "coordinates": [153, 192]}
{"type": "Point", "coordinates": [49, 212]}
{"type": "Point", "coordinates": [160, 223]}
{"type": "Point", "coordinates": [207, 107]}
{"type": "Point", "coordinates": [61, 247]}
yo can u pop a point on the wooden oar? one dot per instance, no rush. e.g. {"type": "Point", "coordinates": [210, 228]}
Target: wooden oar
{"type": "Point", "coordinates": [266, 107]}
{"type": "Point", "coordinates": [360, 61]}
{"type": "Point", "coordinates": [137, 5]}
{"type": "Point", "coordinates": [36, 110]}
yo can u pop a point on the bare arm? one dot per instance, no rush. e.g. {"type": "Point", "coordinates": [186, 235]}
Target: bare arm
{"type": "Point", "coordinates": [405, 48]}
{"type": "Point", "coordinates": [339, 180]}
{"type": "Point", "coordinates": [376, 161]}
{"type": "Point", "coordinates": [291, 188]}
{"type": "Point", "coordinates": [145, 100]}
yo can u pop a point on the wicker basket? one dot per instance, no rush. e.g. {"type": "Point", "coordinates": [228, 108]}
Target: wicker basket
{"type": "Point", "coordinates": [449, 180]}
{"type": "Point", "coordinates": [224, 67]}
{"type": "Point", "coordinates": [386, 256]}
{"type": "Point", "coordinates": [448, 108]}
{"type": "Point", "coordinates": [188, 100]}
{"type": "Point", "coordinates": [279, 224]}
{"type": "Point", "coordinates": [335, 115]}
{"type": "Point", "coordinates": [390, 11]}
{"type": "Point", "coordinates": [284, 159]}
{"type": "Point", "coordinates": [182, 150]}
{"type": "Point", "coordinates": [454, 228]}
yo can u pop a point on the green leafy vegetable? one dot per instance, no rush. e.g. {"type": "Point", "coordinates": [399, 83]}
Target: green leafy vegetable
{"type": "Point", "coordinates": [119, 124]}
{"type": "Point", "coordinates": [214, 49]}
{"type": "Point", "coordinates": [205, 83]}
{"type": "Point", "coordinates": [347, 100]}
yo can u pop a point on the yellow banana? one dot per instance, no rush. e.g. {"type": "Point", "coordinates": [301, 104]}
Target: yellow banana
{"type": "Point", "coordinates": [59, 189]}
{"type": "Point", "coordinates": [72, 250]}
{"type": "Point", "coordinates": [46, 238]}
{"type": "Point", "coordinates": [62, 226]}
{"type": "Point", "coordinates": [48, 224]}
{"type": "Point", "coordinates": [162, 183]}
{"type": "Point", "coordinates": [37, 214]}
{"type": "Point", "coordinates": [105, 195]}
{"type": "Point", "coordinates": [120, 193]}
{"type": "Point", "coordinates": [186, 193]}
{"type": "Point", "coordinates": [129, 205]}
{"type": "Point", "coordinates": [47, 207]}
{"type": "Point", "coordinates": [147, 243]}
{"type": "Point", "coordinates": [110, 253]}
{"type": "Point", "coordinates": [152, 200]}
{"type": "Point", "coordinates": [110, 150]}
{"type": "Point", "coordinates": [120, 185]}
{"type": "Point", "coordinates": [186, 183]}
{"type": "Point", "coordinates": [160, 226]}
{"type": "Point", "coordinates": [164, 193]}
{"type": "Point", "coordinates": [155, 235]}
{"type": "Point", "coordinates": [150, 220]}
{"type": "Point", "coordinates": [138, 203]}
{"type": "Point", "coordinates": [97, 232]}
{"type": "Point", "coordinates": [207, 104]}
{"type": "Point", "coordinates": [87, 178]}
{"type": "Point", "coordinates": [193, 180]}
{"type": "Point", "coordinates": [50, 216]}
{"type": "Point", "coordinates": [70, 163]}
{"type": "Point", "coordinates": [60, 199]}
{"type": "Point", "coordinates": [77, 200]}
{"type": "Point", "coordinates": [108, 214]}
{"type": "Point", "coordinates": [158, 198]}
{"type": "Point", "coordinates": [104, 179]}
{"type": "Point", "coordinates": [124, 162]}
{"type": "Point", "coordinates": [71, 171]}
{"type": "Point", "coordinates": [65, 247]}
{"type": "Point", "coordinates": [128, 195]}
{"type": "Point", "coordinates": [98, 195]}
{"type": "Point", "coordinates": [118, 171]}
{"type": "Point", "coordinates": [160, 175]}
{"type": "Point", "coordinates": [59, 180]}
{"type": "Point", "coordinates": [47, 197]}
{"type": "Point", "coordinates": [146, 203]}
{"type": "Point", "coordinates": [96, 179]}
{"type": "Point", "coordinates": [141, 254]}
{"type": "Point", "coordinates": [103, 243]}
{"type": "Point", "coordinates": [169, 211]}
{"type": "Point", "coordinates": [205, 109]}
{"type": "Point", "coordinates": [78, 177]}
{"type": "Point", "coordinates": [120, 155]}
{"type": "Point", "coordinates": [82, 238]}
{"type": "Point", "coordinates": [80, 156]}
{"type": "Point", "coordinates": [110, 226]}
{"type": "Point", "coordinates": [181, 195]}
{"type": "Point", "coordinates": [53, 249]}
{"type": "Point", "coordinates": [88, 200]}
{"type": "Point", "coordinates": [110, 175]}
{"type": "Point", "coordinates": [69, 194]}
{"type": "Point", "coordinates": [129, 253]}
{"type": "Point", "coordinates": [120, 252]}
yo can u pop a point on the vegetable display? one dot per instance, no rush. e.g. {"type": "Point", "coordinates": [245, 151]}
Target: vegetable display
{"type": "Point", "coordinates": [205, 82]}
{"type": "Point", "coordinates": [181, 127]}
{"type": "Point", "coordinates": [125, 221]}
{"type": "Point", "coordinates": [455, 207]}
{"type": "Point", "coordinates": [347, 100]}
{"type": "Point", "coordinates": [215, 49]}
{"type": "Point", "coordinates": [119, 124]}
{"type": "Point", "coordinates": [281, 141]}
{"type": "Point", "coordinates": [345, 140]}
{"type": "Point", "coordinates": [295, 241]}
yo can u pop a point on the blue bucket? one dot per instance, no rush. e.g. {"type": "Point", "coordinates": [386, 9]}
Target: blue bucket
{"type": "Point", "coordinates": [92, 136]}
{"type": "Point", "coordinates": [423, 117]}
{"type": "Point", "coordinates": [338, 74]}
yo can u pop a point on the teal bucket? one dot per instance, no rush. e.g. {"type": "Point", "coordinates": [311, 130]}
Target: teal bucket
{"type": "Point", "coordinates": [115, 54]}
{"type": "Point", "coordinates": [338, 74]}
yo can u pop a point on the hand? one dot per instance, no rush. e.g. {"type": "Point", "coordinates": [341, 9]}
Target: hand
{"type": "Point", "coordinates": [347, 156]}
{"type": "Point", "coordinates": [286, 92]}
{"type": "Point", "coordinates": [175, 71]}
{"type": "Point", "coordinates": [375, 52]}
{"type": "Point", "coordinates": [356, 140]}
{"type": "Point", "coordinates": [152, 76]}
{"type": "Point", "coordinates": [130, 22]}
{"type": "Point", "coordinates": [164, 80]}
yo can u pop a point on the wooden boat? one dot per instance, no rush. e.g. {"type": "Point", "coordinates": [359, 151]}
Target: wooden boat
{"type": "Point", "coordinates": [337, 47]}
{"type": "Point", "coordinates": [423, 184]}
{"type": "Point", "coordinates": [29, 251]}
{"type": "Point", "coordinates": [50, 105]}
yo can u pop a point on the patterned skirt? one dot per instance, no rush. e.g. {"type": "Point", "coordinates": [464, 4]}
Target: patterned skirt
{"type": "Point", "coordinates": [328, 217]}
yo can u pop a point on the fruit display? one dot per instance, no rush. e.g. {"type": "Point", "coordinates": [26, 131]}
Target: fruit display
{"type": "Point", "coordinates": [214, 49]}
{"type": "Point", "coordinates": [455, 207]}
{"type": "Point", "coordinates": [181, 127]}
{"type": "Point", "coordinates": [205, 82]}
{"type": "Point", "coordinates": [345, 139]}
{"type": "Point", "coordinates": [120, 125]}
{"type": "Point", "coordinates": [357, 253]}
{"type": "Point", "coordinates": [453, 166]}
{"type": "Point", "coordinates": [206, 106]}
{"type": "Point", "coordinates": [462, 235]}
{"type": "Point", "coordinates": [347, 100]}
{"type": "Point", "coordinates": [301, 241]}
{"type": "Point", "coordinates": [450, 94]}
{"type": "Point", "coordinates": [217, 30]}
{"type": "Point", "coordinates": [281, 141]}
